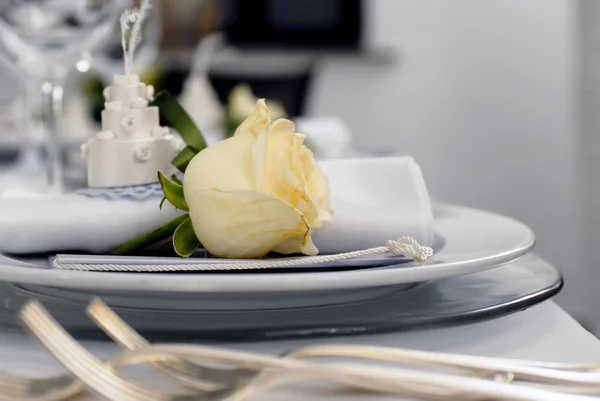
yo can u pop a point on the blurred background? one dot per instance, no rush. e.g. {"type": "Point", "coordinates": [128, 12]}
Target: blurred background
{"type": "Point", "coordinates": [497, 101]}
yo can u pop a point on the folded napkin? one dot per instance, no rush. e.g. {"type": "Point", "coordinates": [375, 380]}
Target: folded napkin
{"type": "Point", "coordinates": [31, 222]}
{"type": "Point", "coordinates": [374, 200]}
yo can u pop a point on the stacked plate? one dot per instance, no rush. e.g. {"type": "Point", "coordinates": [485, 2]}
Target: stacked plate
{"type": "Point", "coordinates": [475, 274]}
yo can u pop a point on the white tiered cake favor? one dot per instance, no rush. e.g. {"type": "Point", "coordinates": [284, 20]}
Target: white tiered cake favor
{"type": "Point", "coordinates": [132, 146]}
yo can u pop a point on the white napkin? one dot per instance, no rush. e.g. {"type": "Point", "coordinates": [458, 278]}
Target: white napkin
{"type": "Point", "coordinates": [31, 222]}
{"type": "Point", "coordinates": [374, 200]}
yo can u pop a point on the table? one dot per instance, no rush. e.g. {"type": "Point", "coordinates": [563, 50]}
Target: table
{"type": "Point", "coordinates": [544, 332]}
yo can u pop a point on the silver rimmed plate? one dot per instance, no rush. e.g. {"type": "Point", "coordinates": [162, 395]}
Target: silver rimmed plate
{"type": "Point", "coordinates": [474, 240]}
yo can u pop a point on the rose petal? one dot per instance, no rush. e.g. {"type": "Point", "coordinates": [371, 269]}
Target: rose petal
{"type": "Point", "coordinates": [293, 175]}
{"type": "Point", "coordinates": [257, 125]}
{"type": "Point", "coordinates": [283, 126]}
{"type": "Point", "coordinates": [317, 181]}
{"type": "Point", "coordinates": [235, 223]}
{"type": "Point", "coordinates": [284, 178]}
{"type": "Point", "coordinates": [257, 121]}
{"type": "Point", "coordinates": [292, 245]}
{"type": "Point", "coordinates": [227, 163]}
{"type": "Point", "coordinates": [240, 160]}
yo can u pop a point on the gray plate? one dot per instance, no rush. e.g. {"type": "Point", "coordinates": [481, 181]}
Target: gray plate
{"type": "Point", "coordinates": [452, 300]}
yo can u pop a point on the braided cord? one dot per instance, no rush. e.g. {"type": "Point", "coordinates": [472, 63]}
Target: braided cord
{"type": "Point", "coordinates": [405, 246]}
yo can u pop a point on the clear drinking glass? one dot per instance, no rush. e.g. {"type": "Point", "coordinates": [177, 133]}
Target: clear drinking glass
{"type": "Point", "coordinates": [44, 39]}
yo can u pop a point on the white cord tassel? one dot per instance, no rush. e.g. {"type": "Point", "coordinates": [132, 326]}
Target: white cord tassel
{"type": "Point", "coordinates": [409, 246]}
{"type": "Point", "coordinates": [405, 246]}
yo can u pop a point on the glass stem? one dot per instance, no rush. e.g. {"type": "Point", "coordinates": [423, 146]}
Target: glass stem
{"type": "Point", "coordinates": [29, 154]}
{"type": "Point", "coordinates": [53, 105]}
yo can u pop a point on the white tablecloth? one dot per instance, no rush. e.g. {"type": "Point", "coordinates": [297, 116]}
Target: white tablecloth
{"type": "Point", "coordinates": [544, 332]}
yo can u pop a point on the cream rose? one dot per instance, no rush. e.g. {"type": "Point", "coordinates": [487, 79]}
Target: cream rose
{"type": "Point", "coordinates": [258, 191]}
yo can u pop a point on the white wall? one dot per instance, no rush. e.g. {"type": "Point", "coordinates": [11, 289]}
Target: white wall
{"type": "Point", "coordinates": [589, 12]}
{"type": "Point", "coordinates": [484, 97]}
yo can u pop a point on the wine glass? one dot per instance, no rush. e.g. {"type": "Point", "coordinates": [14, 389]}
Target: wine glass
{"type": "Point", "coordinates": [44, 39]}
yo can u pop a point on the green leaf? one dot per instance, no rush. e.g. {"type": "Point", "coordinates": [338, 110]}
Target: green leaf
{"type": "Point", "coordinates": [161, 233]}
{"type": "Point", "coordinates": [162, 202]}
{"type": "Point", "coordinates": [185, 241]}
{"type": "Point", "coordinates": [178, 118]}
{"type": "Point", "coordinates": [183, 158]}
{"type": "Point", "coordinates": [173, 192]}
{"type": "Point", "coordinates": [175, 179]}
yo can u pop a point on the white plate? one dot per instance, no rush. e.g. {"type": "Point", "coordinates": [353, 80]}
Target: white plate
{"type": "Point", "coordinates": [475, 240]}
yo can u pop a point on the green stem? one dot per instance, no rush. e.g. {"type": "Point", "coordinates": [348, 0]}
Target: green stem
{"type": "Point", "coordinates": [152, 237]}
